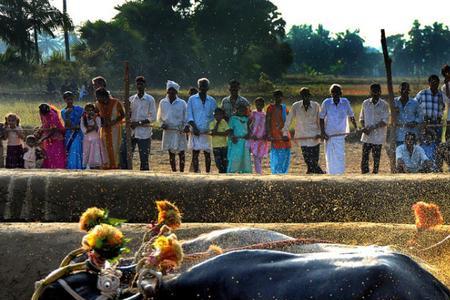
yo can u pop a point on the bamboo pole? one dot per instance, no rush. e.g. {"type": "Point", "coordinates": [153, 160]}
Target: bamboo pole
{"type": "Point", "coordinates": [128, 116]}
{"type": "Point", "coordinates": [392, 126]}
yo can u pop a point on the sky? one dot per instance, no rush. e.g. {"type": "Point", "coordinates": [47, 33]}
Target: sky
{"type": "Point", "coordinates": [396, 16]}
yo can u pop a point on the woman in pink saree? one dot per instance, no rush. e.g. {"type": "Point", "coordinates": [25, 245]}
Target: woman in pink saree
{"type": "Point", "coordinates": [52, 138]}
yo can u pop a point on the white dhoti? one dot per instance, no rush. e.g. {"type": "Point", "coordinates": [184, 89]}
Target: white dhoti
{"type": "Point", "coordinates": [335, 155]}
{"type": "Point", "coordinates": [174, 141]}
{"type": "Point", "coordinates": [200, 143]}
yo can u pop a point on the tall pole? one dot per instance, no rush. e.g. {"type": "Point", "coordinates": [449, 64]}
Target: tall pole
{"type": "Point", "coordinates": [392, 126]}
{"type": "Point", "coordinates": [66, 33]}
{"type": "Point", "coordinates": [128, 116]}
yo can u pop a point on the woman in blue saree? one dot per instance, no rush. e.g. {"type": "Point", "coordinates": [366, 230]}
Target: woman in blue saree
{"type": "Point", "coordinates": [73, 139]}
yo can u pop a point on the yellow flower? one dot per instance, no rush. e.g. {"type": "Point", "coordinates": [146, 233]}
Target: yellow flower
{"type": "Point", "coordinates": [168, 214]}
{"type": "Point", "coordinates": [169, 250]}
{"type": "Point", "coordinates": [91, 217]}
{"type": "Point", "coordinates": [105, 240]}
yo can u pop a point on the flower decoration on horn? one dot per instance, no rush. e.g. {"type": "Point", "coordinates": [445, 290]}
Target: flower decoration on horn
{"type": "Point", "coordinates": [167, 253]}
{"type": "Point", "coordinates": [95, 216]}
{"type": "Point", "coordinates": [105, 241]}
{"type": "Point", "coordinates": [427, 215]}
{"type": "Point", "coordinates": [168, 214]}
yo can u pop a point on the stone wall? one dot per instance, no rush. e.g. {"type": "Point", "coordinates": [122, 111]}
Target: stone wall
{"type": "Point", "coordinates": [61, 196]}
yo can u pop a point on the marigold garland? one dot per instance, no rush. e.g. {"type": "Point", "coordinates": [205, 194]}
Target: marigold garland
{"type": "Point", "coordinates": [106, 240]}
{"type": "Point", "coordinates": [168, 214]}
{"type": "Point", "coordinates": [427, 215]}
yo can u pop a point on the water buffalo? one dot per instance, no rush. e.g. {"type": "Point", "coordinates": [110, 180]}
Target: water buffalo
{"type": "Point", "coordinates": [370, 273]}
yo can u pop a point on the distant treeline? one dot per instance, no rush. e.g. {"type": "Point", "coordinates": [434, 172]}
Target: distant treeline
{"type": "Point", "coordinates": [184, 39]}
{"type": "Point", "coordinates": [421, 52]}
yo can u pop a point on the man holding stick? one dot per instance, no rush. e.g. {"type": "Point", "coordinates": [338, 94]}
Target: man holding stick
{"type": "Point", "coordinates": [334, 115]}
{"type": "Point", "coordinates": [307, 129]}
{"type": "Point", "coordinates": [172, 115]}
{"type": "Point", "coordinates": [201, 109]}
{"type": "Point", "coordinates": [374, 118]}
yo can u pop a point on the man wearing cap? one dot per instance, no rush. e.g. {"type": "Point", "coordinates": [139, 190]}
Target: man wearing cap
{"type": "Point", "coordinates": [143, 113]}
{"type": "Point", "coordinates": [172, 116]}
{"type": "Point", "coordinates": [307, 129]}
{"type": "Point", "coordinates": [201, 109]}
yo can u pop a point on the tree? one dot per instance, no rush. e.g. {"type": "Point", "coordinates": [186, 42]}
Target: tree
{"type": "Point", "coordinates": [20, 18]}
{"type": "Point", "coordinates": [188, 39]}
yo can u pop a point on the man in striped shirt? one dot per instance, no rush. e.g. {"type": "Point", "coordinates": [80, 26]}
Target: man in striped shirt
{"type": "Point", "coordinates": [433, 106]}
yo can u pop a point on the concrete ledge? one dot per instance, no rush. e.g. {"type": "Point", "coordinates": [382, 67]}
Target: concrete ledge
{"type": "Point", "coordinates": [61, 196]}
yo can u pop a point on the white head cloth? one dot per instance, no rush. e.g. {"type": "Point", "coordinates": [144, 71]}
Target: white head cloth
{"type": "Point", "coordinates": [172, 84]}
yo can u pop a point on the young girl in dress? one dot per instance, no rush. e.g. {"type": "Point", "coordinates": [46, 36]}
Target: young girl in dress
{"type": "Point", "coordinates": [259, 147]}
{"type": "Point", "coordinates": [94, 155]}
{"type": "Point", "coordinates": [239, 160]}
{"type": "Point", "coordinates": [14, 136]}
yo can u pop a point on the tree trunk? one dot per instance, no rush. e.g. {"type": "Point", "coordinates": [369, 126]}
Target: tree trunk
{"type": "Point", "coordinates": [391, 143]}
{"type": "Point", "coordinates": [36, 46]}
{"type": "Point", "coordinates": [66, 33]}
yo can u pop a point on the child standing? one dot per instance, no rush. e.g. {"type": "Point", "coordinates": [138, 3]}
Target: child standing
{"type": "Point", "coordinates": [258, 144]}
{"type": "Point", "coordinates": [94, 155]}
{"type": "Point", "coordinates": [239, 160]}
{"type": "Point", "coordinates": [14, 137]}
{"type": "Point", "coordinates": [280, 153]}
{"type": "Point", "coordinates": [219, 131]}
{"type": "Point", "coordinates": [33, 155]}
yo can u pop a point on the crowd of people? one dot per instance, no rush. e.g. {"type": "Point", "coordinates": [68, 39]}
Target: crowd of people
{"type": "Point", "coordinates": [92, 137]}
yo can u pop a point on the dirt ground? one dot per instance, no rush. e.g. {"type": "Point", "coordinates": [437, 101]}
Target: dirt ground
{"type": "Point", "coordinates": [159, 161]}
{"type": "Point", "coordinates": [31, 250]}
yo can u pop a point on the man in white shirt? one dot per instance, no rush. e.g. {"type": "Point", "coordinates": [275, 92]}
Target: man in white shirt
{"type": "Point", "coordinates": [201, 109]}
{"type": "Point", "coordinates": [307, 129]}
{"type": "Point", "coordinates": [411, 158]}
{"type": "Point", "coordinates": [374, 117]}
{"type": "Point", "coordinates": [172, 115]}
{"type": "Point", "coordinates": [143, 113]}
{"type": "Point", "coordinates": [334, 115]}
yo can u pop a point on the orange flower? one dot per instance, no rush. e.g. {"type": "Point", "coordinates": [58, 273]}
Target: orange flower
{"type": "Point", "coordinates": [91, 217]}
{"type": "Point", "coordinates": [427, 215]}
{"type": "Point", "coordinates": [168, 214]}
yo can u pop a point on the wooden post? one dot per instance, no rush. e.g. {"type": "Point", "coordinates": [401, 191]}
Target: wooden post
{"type": "Point", "coordinates": [128, 117]}
{"type": "Point", "coordinates": [391, 143]}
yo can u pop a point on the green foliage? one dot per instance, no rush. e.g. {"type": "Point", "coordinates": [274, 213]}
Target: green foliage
{"type": "Point", "coordinates": [221, 39]}
{"type": "Point", "coordinates": [21, 19]}
{"type": "Point", "coordinates": [316, 52]}
{"type": "Point", "coordinates": [423, 51]}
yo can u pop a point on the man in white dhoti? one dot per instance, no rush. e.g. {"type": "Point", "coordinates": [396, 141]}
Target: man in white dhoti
{"type": "Point", "coordinates": [334, 116]}
{"type": "Point", "coordinates": [200, 114]}
{"type": "Point", "coordinates": [172, 115]}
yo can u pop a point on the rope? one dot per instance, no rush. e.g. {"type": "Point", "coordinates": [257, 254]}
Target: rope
{"type": "Point", "coordinates": [69, 290]}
